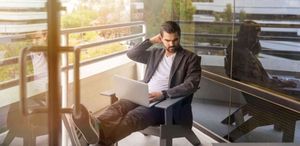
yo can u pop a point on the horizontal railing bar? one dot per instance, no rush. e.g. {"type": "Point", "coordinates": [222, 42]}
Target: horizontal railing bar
{"type": "Point", "coordinates": [66, 110]}
{"type": "Point", "coordinates": [15, 37]}
{"type": "Point", "coordinates": [205, 47]}
{"type": "Point", "coordinates": [9, 38]}
{"type": "Point", "coordinates": [239, 23]}
{"type": "Point", "coordinates": [22, 5]}
{"type": "Point", "coordinates": [90, 61]}
{"type": "Point", "coordinates": [37, 110]}
{"type": "Point", "coordinates": [25, 9]}
{"type": "Point", "coordinates": [228, 36]}
{"type": "Point", "coordinates": [99, 43]}
{"type": "Point", "coordinates": [14, 60]}
{"type": "Point", "coordinates": [15, 82]}
{"type": "Point", "coordinates": [11, 60]}
{"type": "Point", "coordinates": [264, 50]}
{"type": "Point", "coordinates": [285, 101]}
{"type": "Point", "coordinates": [280, 38]}
{"type": "Point", "coordinates": [44, 49]}
{"type": "Point", "coordinates": [281, 52]}
{"type": "Point", "coordinates": [25, 20]}
{"type": "Point", "coordinates": [207, 23]}
{"type": "Point", "coordinates": [7, 29]}
{"type": "Point", "coordinates": [93, 28]}
{"type": "Point", "coordinates": [213, 36]}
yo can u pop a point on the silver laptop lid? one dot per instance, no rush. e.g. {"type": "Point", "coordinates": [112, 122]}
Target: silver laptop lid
{"type": "Point", "coordinates": [132, 90]}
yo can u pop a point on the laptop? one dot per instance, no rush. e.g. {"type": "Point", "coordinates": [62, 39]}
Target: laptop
{"type": "Point", "coordinates": [132, 90]}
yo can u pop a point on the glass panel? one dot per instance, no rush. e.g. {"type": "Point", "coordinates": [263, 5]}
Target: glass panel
{"type": "Point", "coordinates": [23, 25]}
{"type": "Point", "coordinates": [253, 43]}
{"type": "Point", "coordinates": [211, 108]}
{"type": "Point", "coordinates": [247, 41]}
{"type": "Point", "coordinates": [263, 56]}
{"type": "Point", "coordinates": [262, 53]}
{"type": "Point", "coordinates": [259, 45]}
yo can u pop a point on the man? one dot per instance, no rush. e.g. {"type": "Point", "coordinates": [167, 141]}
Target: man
{"type": "Point", "coordinates": [171, 72]}
{"type": "Point", "coordinates": [245, 64]}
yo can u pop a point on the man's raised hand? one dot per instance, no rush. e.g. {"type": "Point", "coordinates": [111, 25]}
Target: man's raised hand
{"type": "Point", "coordinates": [156, 39]}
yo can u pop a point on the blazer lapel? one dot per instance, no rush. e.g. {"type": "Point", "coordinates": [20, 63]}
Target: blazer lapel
{"type": "Point", "coordinates": [157, 61]}
{"type": "Point", "coordinates": [177, 60]}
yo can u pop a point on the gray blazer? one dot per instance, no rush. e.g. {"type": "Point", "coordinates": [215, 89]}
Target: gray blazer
{"type": "Point", "coordinates": [184, 80]}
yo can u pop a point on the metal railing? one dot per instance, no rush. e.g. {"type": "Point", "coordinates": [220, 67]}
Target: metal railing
{"type": "Point", "coordinates": [76, 50]}
{"type": "Point", "coordinates": [23, 83]}
{"type": "Point", "coordinates": [65, 34]}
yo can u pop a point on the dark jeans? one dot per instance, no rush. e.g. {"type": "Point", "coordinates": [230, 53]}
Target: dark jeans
{"type": "Point", "coordinates": [124, 117]}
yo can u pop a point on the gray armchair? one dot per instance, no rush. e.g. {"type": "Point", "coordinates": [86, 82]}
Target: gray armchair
{"type": "Point", "coordinates": [168, 131]}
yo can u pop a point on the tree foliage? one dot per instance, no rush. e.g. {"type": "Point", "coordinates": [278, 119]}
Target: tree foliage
{"type": "Point", "coordinates": [158, 11]}
{"type": "Point", "coordinates": [78, 18]}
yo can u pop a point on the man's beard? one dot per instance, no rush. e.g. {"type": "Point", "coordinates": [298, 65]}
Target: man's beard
{"type": "Point", "coordinates": [172, 49]}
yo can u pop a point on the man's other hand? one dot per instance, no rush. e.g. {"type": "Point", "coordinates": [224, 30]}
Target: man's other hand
{"type": "Point", "coordinates": [155, 96]}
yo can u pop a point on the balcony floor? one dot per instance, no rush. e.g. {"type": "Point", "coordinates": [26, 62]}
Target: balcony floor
{"type": "Point", "coordinates": [138, 139]}
{"type": "Point", "coordinates": [135, 139]}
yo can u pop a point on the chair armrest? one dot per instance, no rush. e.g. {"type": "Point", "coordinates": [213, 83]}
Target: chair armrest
{"type": "Point", "coordinates": [108, 93]}
{"type": "Point", "coordinates": [168, 102]}
{"type": "Point", "coordinates": [111, 94]}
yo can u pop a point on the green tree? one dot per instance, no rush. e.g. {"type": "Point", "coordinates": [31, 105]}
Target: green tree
{"type": "Point", "coordinates": [242, 16]}
{"type": "Point", "coordinates": [183, 10]}
{"type": "Point", "coordinates": [158, 11]}
{"type": "Point", "coordinates": [81, 17]}
{"type": "Point", "coordinates": [225, 16]}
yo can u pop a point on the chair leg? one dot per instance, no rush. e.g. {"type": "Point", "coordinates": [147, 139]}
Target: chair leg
{"type": "Point", "coordinates": [192, 138]}
{"type": "Point", "coordinates": [165, 142]}
{"type": "Point", "coordinates": [289, 131]}
{"type": "Point", "coordinates": [29, 140]}
{"type": "Point", "coordinates": [277, 127]}
{"type": "Point", "coordinates": [8, 138]}
{"type": "Point", "coordinates": [237, 116]}
{"type": "Point", "coordinates": [245, 128]}
{"type": "Point", "coordinates": [116, 144]}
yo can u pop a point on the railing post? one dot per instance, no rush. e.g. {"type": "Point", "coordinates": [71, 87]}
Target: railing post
{"type": "Point", "coordinates": [77, 81]}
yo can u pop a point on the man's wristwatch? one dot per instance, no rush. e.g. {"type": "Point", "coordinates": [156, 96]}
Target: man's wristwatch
{"type": "Point", "coordinates": [165, 94]}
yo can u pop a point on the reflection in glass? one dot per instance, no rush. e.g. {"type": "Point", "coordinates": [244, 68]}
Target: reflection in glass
{"type": "Point", "coordinates": [246, 66]}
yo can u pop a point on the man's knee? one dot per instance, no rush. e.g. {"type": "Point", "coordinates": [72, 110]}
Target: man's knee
{"type": "Point", "coordinates": [145, 115]}
{"type": "Point", "coordinates": [124, 103]}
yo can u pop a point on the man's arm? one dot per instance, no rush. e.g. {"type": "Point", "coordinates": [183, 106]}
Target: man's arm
{"type": "Point", "coordinates": [191, 82]}
{"type": "Point", "coordinates": [139, 53]}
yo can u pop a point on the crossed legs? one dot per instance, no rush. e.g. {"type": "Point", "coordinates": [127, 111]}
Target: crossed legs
{"type": "Point", "coordinates": [120, 120]}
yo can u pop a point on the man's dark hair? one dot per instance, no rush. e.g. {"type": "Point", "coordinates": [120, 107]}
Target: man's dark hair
{"type": "Point", "coordinates": [170, 27]}
{"type": "Point", "coordinates": [248, 36]}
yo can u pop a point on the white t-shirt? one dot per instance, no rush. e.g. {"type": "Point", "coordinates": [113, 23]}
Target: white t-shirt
{"type": "Point", "coordinates": [160, 79]}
